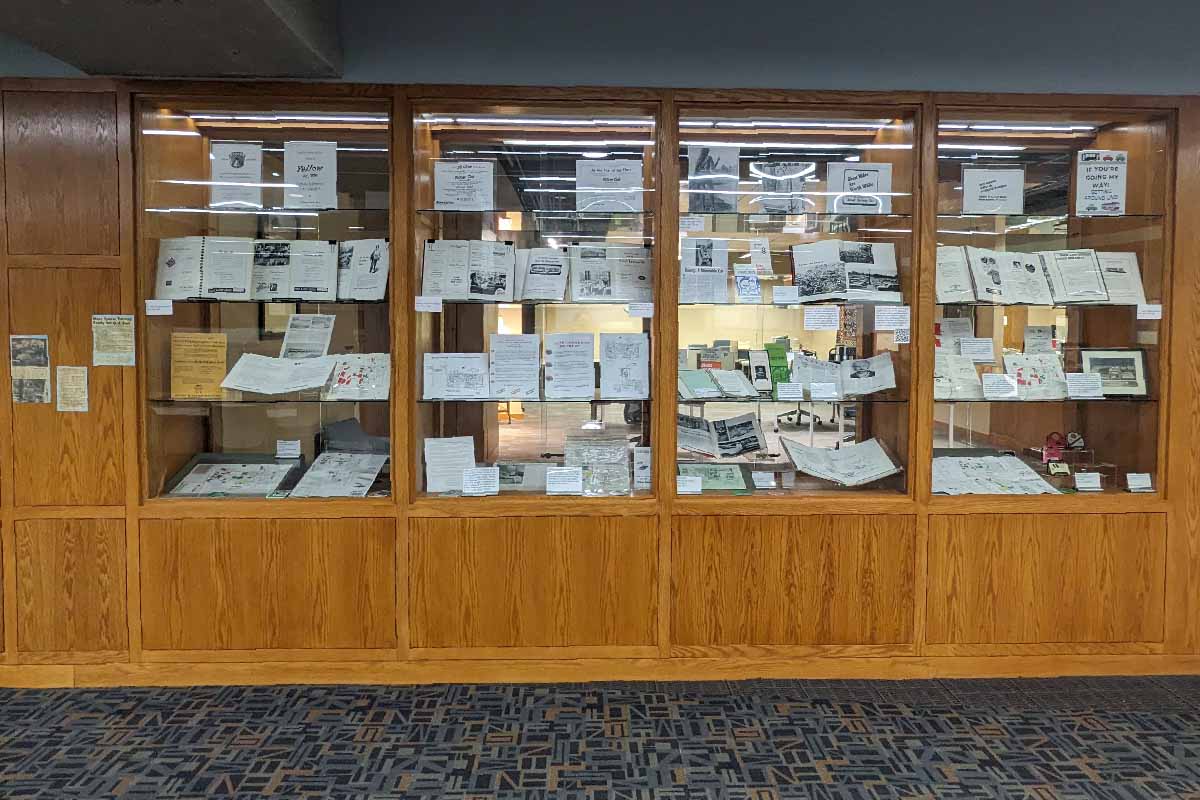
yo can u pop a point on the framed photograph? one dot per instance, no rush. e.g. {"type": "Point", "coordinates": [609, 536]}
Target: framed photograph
{"type": "Point", "coordinates": [1122, 372]}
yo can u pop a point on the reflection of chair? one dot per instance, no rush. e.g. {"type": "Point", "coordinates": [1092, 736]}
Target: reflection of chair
{"type": "Point", "coordinates": [595, 420]}
{"type": "Point", "coordinates": [799, 413]}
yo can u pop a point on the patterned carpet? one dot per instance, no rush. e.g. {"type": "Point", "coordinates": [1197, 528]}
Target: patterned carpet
{"type": "Point", "coordinates": [758, 740]}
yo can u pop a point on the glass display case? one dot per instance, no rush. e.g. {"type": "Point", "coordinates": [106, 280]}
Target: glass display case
{"type": "Point", "coordinates": [1050, 280]}
{"type": "Point", "coordinates": [263, 263]}
{"type": "Point", "coordinates": [796, 276]}
{"type": "Point", "coordinates": [533, 232]}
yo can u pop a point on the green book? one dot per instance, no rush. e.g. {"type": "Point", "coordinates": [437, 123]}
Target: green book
{"type": "Point", "coordinates": [777, 359]}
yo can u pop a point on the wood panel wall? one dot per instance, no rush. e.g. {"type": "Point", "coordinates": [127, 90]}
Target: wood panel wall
{"type": "Point", "coordinates": [100, 586]}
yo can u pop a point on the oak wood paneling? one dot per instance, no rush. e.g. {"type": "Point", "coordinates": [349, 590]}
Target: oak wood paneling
{"type": "Point", "coordinates": [68, 458]}
{"type": "Point", "coordinates": [60, 164]}
{"type": "Point", "coordinates": [546, 581]}
{"type": "Point", "coordinates": [71, 585]}
{"type": "Point", "coordinates": [211, 584]}
{"type": "Point", "coordinates": [1006, 578]}
{"type": "Point", "coordinates": [793, 580]}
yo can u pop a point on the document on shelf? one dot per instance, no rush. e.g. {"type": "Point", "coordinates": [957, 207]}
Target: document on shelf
{"type": "Point", "coordinates": [850, 465]}
{"type": "Point", "coordinates": [632, 271]}
{"type": "Point", "coordinates": [863, 376]}
{"type": "Point", "coordinates": [272, 271]}
{"type": "Point", "coordinates": [955, 377]}
{"type": "Point", "coordinates": [807, 371]}
{"type": "Point", "coordinates": [760, 256]}
{"type": "Point", "coordinates": [858, 188]}
{"type": "Point", "coordinates": [179, 268]}
{"type": "Point", "coordinates": [993, 190]}
{"type": "Point", "coordinates": [1040, 339]}
{"type": "Point", "coordinates": [523, 477]}
{"type": "Point", "coordinates": [871, 275]}
{"type": "Point", "coordinates": [1025, 281]}
{"type": "Point", "coordinates": [490, 268]}
{"type": "Point", "coordinates": [360, 376]}
{"type": "Point", "coordinates": [481, 481]}
{"type": "Point", "coordinates": [340, 475]}
{"type": "Point", "coordinates": [715, 477]}
{"type": "Point", "coordinates": [784, 184]}
{"type": "Point", "coordinates": [987, 274]}
{"type": "Point", "coordinates": [1039, 375]}
{"type": "Point", "coordinates": [608, 185]}
{"type": "Point", "coordinates": [642, 464]}
{"type": "Point", "coordinates": [705, 275]}
{"type": "Point", "coordinates": [198, 365]}
{"type": "Point", "coordinates": [514, 364]}
{"type": "Point", "coordinates": [463, 185]}
{"type": "Point", "coordinates": [266, 375]}
{"type": "Point", "coordinates": [953, 276]}
{"type": "Point", "coordinates": [235, 175]}
{"type": "Point", "coordinates": [113, 340]}
{"type": "Point", "coordinates": [1074, 276]}
{"type": "Point", "coordinates": [71, 389]}
{"type": "Point", "coordinates": [948, 331]}
{"type": "Point", "coordinates": [712, 179]}
{"type": "Point", "coordinates": [956, 475]}
{"type": "Point", "coordinates": [570, 366]}
{"type": "Point", "coordinates": [314, 271]}
{"type": "Point", "coordinates": [307, 335]}
{"type": "Point", "coordinates": [545, 274]}
{"type": "Point", "coordinates": [456, 376]}
{"type": "Point", "coordinates": [745, 281]}
{"type": "Point", "coordinates": [248, 480]}
{"type": "Point", "coordinates": [819, 272]}
{"type": "Point", "coordinates": [1122, 278]}
{"type": "Point", "coordinates": [445, 461]}
{"type": "Point", "coordinates": [1100, 179]}
{"type": "Point", "coordinates": [592, 276]}
{"type": "Point", "coordinates": [624, 366]}
{"type": "Point", "coordinates": [363, 266]}
{"type": "Point", "coordinates": [312, 167]}
{"type": "Point", "coordinates": [445, 270]}
{"type": "Point", "coordinates": [228, 268]}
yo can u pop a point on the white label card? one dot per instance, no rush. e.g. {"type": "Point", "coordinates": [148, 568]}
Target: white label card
{"type": "Point", "coordinates": [785, 295]}
{"type": "Point", "coordinates": [160, 308]}
{"type": "Point", "coordinates": [979, 350]}
{"type": "Point", "coordinates": [892, 318]}
{"type": "Point", "coordinates": [999, 387]}
{"type": "Point", "coordinates": [641, 310]}
{"type": "Point", "coordinates": [287, 448]}
{"type": "Point", "coordinates": [691, 222]}
{"type": "Point", "coordinates": [1085, 386]}
{"type": "Point", "coordinates": [481, 481]}
{"type": "Point", "coordinates": [1149, 311]}
{"type": "Point", "coordinates": [789, 391]}
{"type": "Point", "coordinates": [763, 480]}
{"type": "Point", "coordinates": [564, 480]}
{"type": "Point", "coordinates": [430, 305]}
{"type": "Point", "coordinates": [993, 190]}
{"type": "Point", "coordinates": [1088, 481]}
{"type": "Point", "coordinates": [1139, 482]}
{"type": "Point", "coordinates": [688, 484]}
{"type": "Point", "coordinates": [820, 318]}
{"type": "Point", "coordinates": [823, 391]}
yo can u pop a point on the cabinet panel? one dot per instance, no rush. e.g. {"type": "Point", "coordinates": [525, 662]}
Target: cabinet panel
{"type": "Point", "coordinates": [68, 458]}
{"type": "Point", "coordinates": [254, 584]}
{"type": "Point", "coordinates": [71, 585]}
{"type": "Point", "coordinates": [534, 582]}
{"type": "Point", "coordinates": [793, 580]}
{"type": "Point", "coordinates": [60, 166]}
{"type": "Point", "coordinates": [1008, 578]}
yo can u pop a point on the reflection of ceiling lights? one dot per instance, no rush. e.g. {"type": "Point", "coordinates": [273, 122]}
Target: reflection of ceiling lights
{"type": "Point", "coordinates": [512, 122]}
{"type": "Point", "coordinates": [807, 169]}
{"type": "Point", "coordinates": [594, 154]}
{"type": "Point", "coordinates": [981, 147]}
{"type": "Point", "coordinates": [987, 126]}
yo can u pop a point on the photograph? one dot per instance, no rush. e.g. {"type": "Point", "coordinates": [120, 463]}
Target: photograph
{"type": "Point", "coordinates": [822, 280]}
{"type": "Point", "coordinates": [488, 282]}
{"type": "Point", "coordinates": [30, 390]}
{"type": "Point", "coordinates": [272, 254]}
{"type": "Point", "coordinates": [1122, 372]}
{"type": "Point", "coordinates": [28, 351]}
{"type": "Point", "coordinates": [858, 253]}
{"type": "Point", "coordinates": [712, 179]}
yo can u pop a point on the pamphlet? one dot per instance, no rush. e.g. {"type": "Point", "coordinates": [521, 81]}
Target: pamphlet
{"type": "Point", "coordinates": [312, 167]}
{"type": "Point", "coordinates": [463, 185]}
{"type": "Point", "coordinates": [445, 461]}
{"type": "Point", "coordinates": [609, 185]}
{"type": "Point", "coordinates": [235, 174]}
{"type": "Point", "coordinates": [570, 372]}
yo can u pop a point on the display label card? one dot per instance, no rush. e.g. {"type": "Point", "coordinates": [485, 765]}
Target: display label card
{"type": "Point", "coordinates": [988, 190]}
{"type": "Point", "coordinates": [287, 448]}
{"type": "Point", "coordinates": [789, 391]}
{"type": "Point", "coordinates": [160, 308]}
{"type": "Point", "coordinates": [823, 391]}
{"type": "Point", "coordinates": [760, 256]}
{"type": "Point", "coordinates": [481, 481]}
{"type": "Point", "coordinates": [564, 480]}
{"type": "Point", "coordinates": [112, 340]}
{"type": "Point", "coordinates": [979, 350]}
{"type": "Point", "coordinates": [641, 468]}
{"type": "Point", "coordinates": [609, 185]}
{"type": "Point", "coordinates": [821, 318]}
{"type": "Point", "coordinates": [1040, 339]}
{"type": "Point", "coordinates": [1149, 311]}
{"type": "Point", "coordinates": [691, 223]}
{"type": "Point", "coordinates": [763, 480]}
{"type": "Point", "coordinates": [1058, 468]}
{"type": "Point", "coordinates": [999, 387]}
{"type": "Point", "coordinates": [892, 318]}
{"type": "Point", "coordinates": [857, 187]}
{"type": "Point", "coordinates": [71, 389]}
{"type": "Point", "coordinates": [312, 167]}
{"type": "Point", "coordinates": [1088, 481]}
{"type": "Point", "coordinates": [641, 310]}
{"type": "Point", "coordinates": [236, 175]}
{"type": "Point", "coordinates": [1139, 482]}
{"type": "Point", "coordinates": [688, 484]}
{"type": "Point", "coordinates": [430, 305]}
{"type": "Point", "coordinates": [1100, 177]}
{"type": "Point", "coordinates": [463, 185]}
{"type": "Point", "coordinates": [902, 335]}
{"type": "Point", "coordinates": [1084, 386]}
{"type": "Point", "coordinates": [785, 295]}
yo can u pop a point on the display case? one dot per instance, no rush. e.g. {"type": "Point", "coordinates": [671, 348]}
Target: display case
{"type": "Point", "coordinates": [533, 273]}
{"type": "Point", "coordinates": [1053, 232]}
{"type": "Point", "coordinates": [796, 279]}
{"type": "Point", "coordinates": [263, 261]}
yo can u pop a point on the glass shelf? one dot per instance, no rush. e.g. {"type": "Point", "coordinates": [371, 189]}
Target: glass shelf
{"type": "Point", "coordinates": [537, 400]}
{"type": "Point", "coordinates": [538, 212]}
{"type": "Point", "coordinates": [259, 401]}
{"type": "Point", "coordinates": [1059, 401]}
{"type": "Point", "coordinates": [204, 301]}
{"type": "Point", "coordinates": [1059, 306]}
{"type": "Point", "coordinates": [761, 400]}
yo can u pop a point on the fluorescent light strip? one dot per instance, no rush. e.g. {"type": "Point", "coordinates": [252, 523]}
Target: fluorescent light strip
{"type": "Point", "coordinates": [287, 118]}
{"type": "Point", "coordinates": [340, 150]}
{"type": "Point", "coordinates": [803, 145]}
{"type": "Point", "coordinates": [547, 178]}
{"type": "Point", "coordinates": [798, 194]}
{"type": "Point", "coordinates": [181, 182]}
{"type": "Point", "coordinates": [273, 213]}
{"type": "Point", "coordinates": [570, 143]}
{"type": "Point", "coordinates": [982, 147]}
{"type": "Point", "coordinates": [161, 132]}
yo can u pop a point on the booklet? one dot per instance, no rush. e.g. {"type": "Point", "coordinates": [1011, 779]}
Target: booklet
{"type": "Point", "coordinates": [957, 475]}
{"type": "Point", "coordinates": [266, 375]}
{"type": "Point", "coordinates": [953, 276]}
{"type": "Point", "coordinates": [955, 377]}
{"type": "Point", "coordinates": [870, 269]}
{"type": "Point", "coordinates": [544, 276]}
{"type": "Point", "coordinates": [570, 366]}
{"type": "Point", "coordinates": [179, 268]}
{"type": "Point", "coordinates": [850, 378]}
{"type": "Point", "coordinates": [710, 384]}
{"type": "Point", "coordinates": [1074, 276]}
{"type": "Point", "coordinates": [724, 438]}
{"type": "Point", "coordinates": [1039, 375]}
{"type": "Point", "coordinates": [340, 475]}
{"type": "Point", "coordinates": [1122, 278]}
{"type": "Point", "coordinates": [456, 376]}
{"type": "Point", "coordinates": [591, 275]}
{"type": "Point", "coordinates": [363, 266]}
{"type": "Point", "coordinates": [819, 273]}
{"type": "Point", "coordinates": [849, 465]}
{"type": "Point", "coordinates": [624, 366]}
{"type": "Point", "coordinates": [705, 271]}
{"type": "Point", "coordinates": [514, 366]}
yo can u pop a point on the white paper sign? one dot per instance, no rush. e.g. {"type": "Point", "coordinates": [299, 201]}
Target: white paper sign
{"type": "Point", "coordinates": [564, 480]}
{"type": "Point", "coordinates": [430, 305]}
{"type": "Point", "coordinates": [691, 223]}
{"type": "Point", "coordinates": [979, 350]}
{"type": "Point", "coordinates": [999, 387]}
{"type": "Point", "coordinates": [821, 318]}
{"type": "Point", "coordinates": [763, 480]}
{"type": "Point", "coordinates": [1100, 177]}
{"type": "Point", "coordinates": [481, 481]}
{"type": "Point", "coordinates": [785, 295]}
{"type": "Point", "coordinates": [823, 391]}
{"type": "Point", "coordinates": [160, 308]}
{"type": "Point", "coordinates": [641, 310]}
{"type": "Point", "coordinates": [990, 190]}
{"type": "Point", "coordinates": [608, 185]}
{"type": "Point", "coordinates": [1084, 386]}
{"type": "Point", "coordinates": [789, 391]}
{"type": "Point", "coordinates": [892, 318]}
{"type": "Point", "coordinates": [1088, 481]}
{"type": "Point", "coordinates": [287, 448]}
{"type": "Point", "coordinates": [235, 169]}
{"type": "Point", "coordinates": [1139, 482]}
{"type": "Point", "coordinates": [688, 484]}
{"type": "Point", "coordinates": [760, 256]}
{"type": "Point", "coordinates": [1149, 311]}
{"type": "Point", "coordinates": [859, 188]}
{"type": "Point", "coordinates": [463, 185]}
{"type": "Point", "coordinates": [312, 167]}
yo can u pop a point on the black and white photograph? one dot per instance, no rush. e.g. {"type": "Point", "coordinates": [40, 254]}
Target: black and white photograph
{"type": "Point", "coordinates": [858, 253]}
{"type": "Point", "coordinates": [821, 281]}
{"type": "Point", "coordinates": [1122, 372]}
{"type": "Point", "coordinates": [29, 351]}
{"type": "Point", "coordinates": [488, 282]}
{"type": "Point", "coordinates": [783, 184]}
{"type": "Point", "coordinates": [272, 254]}
{"type": "Point", "coordinates": [738, 435]}
{"type": "Point", "coordinates": [713, 179]}
{"type": "Point", "coordinates": [30, 390]}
